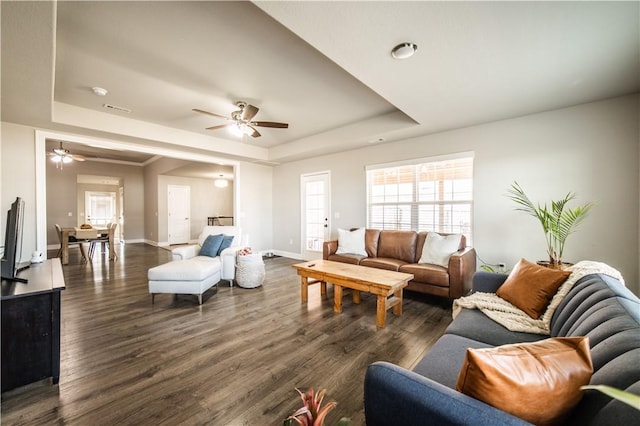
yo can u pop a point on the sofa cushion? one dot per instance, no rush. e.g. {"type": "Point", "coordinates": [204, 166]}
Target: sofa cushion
{"type": "Point", "coordinates": [443, 361]}
{"type": "Point", "coordinates": [371, 237]}
{"type": "Point", "coordinates": [473, 324]}
{"type": "Point", "coordinates": [399, 245]}
{"type": "Point", "coordinates": [437, 249]}
{"type": "Point", "coordinates": [426, 273]}
{"type": "Point", "coordinates": [353, 259]}
{"type": "Point", "coordinates": [530, 287]}
{"type": "Point", "coordinates": [216, 229]}
{"type": "Point", "coordinates": [538, 382]}
{"type": "Point", "coordinates": [211, 245]}
{"type": "Point", "coordinates": [382, 263]}
{"type": "Point", "coordinates": [194, 269]}
{"type": "Point", "coordinates": [351, 242]}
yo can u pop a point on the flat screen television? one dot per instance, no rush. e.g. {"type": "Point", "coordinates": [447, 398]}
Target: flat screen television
{"type": "Point", "coordinates": [13, 242]}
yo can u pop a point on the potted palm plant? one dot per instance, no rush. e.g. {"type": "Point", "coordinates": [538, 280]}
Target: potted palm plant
{"type": "Point", "coordinates": [558, 220]}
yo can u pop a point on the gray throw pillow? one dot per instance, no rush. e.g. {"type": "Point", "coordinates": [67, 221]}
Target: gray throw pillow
{"type": "Point", "coordinates": [226, 243]}
{"type": "Point", "coordinates": [211, 245]}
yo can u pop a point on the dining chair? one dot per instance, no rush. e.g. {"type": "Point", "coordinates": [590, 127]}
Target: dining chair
{"type": "Point", "coordinates": [73, 241]}
{"type": "Point", "coordinates": [102, 239]}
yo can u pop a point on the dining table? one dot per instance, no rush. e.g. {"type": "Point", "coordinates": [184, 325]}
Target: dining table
{"type": "Point", "coordinates": [86, 235]}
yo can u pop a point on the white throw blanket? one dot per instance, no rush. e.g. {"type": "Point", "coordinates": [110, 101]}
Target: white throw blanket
{"type": "Point", "coordinates": [514, 319]}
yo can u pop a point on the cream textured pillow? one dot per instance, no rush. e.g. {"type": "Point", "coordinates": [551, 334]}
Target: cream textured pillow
{"type": "Point", "coordinates": [530, 287]}
{"type": "Point", "coordinates": [538, 382]}
{"type": "Point", "coordinates": [351, 242]}
{"type": "Point", "coordinates": [438, 248]}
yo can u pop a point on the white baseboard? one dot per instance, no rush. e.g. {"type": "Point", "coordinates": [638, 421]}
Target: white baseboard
{"type": "Point", "coordinates": [287, 254]}
{"type": "Point", "coordinates": [138, 240]}
{"type": "Point", "coordinates": [155, 243]}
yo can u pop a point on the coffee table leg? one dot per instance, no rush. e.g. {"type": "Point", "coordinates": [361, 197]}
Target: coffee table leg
{"type": "Point", "coordinates": [397, 309]}
{"type": "Point", "coordinates": [381, 314]}
{"type": "Point", "coordinates": [337, 298]}
{"type": "Point", "coordinates": [356, 296]}
{"type": "Point", "coordinates": [323, 288]}
{"type": "Point", "coordinates": [304, 289]}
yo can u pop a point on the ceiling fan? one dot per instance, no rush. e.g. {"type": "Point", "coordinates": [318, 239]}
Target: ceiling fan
{"type": "Point", "coordinates": [241, 122]}
{"type": "Point", "coordinates": [62, 156]}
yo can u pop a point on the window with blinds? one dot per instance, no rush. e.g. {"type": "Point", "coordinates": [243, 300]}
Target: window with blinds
{"type": "Point", "coordinates": [428, 195]}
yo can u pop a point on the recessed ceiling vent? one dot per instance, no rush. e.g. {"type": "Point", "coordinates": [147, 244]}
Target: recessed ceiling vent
{"type": "Point", "coordinates": [117, 108]}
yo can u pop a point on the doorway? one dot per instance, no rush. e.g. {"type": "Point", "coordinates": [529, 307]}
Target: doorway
{"type": "Point", "coordinates": [315, 195]}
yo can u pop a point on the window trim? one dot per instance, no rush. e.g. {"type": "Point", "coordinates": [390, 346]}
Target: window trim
{"type": "Point", "coordinates": [415, 162]}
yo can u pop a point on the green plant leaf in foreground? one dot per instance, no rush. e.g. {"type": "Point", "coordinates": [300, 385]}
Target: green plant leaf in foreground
{"type": "Point", "coordinates": [622, 396]}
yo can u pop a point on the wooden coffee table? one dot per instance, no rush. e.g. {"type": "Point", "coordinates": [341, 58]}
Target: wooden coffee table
{"type": "Point", "coordinates": [386, 285]}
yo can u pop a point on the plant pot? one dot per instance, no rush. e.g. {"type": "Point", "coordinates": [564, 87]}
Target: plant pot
{"type": "Point", "coordinates": [560, 266]}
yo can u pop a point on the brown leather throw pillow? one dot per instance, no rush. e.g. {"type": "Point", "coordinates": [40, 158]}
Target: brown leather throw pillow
{"type": "Point", "coordinates": [531, 287]}
{"type": "Point", "coordinates": [538, 382]}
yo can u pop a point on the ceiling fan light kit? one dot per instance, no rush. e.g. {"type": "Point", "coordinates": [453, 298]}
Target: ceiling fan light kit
{"type": "Point", "coordinates": [62, 156]}
{"type": "Point", "coordinates": [404, 50]}
{"type": "Point", "coordinates": [241, 122]}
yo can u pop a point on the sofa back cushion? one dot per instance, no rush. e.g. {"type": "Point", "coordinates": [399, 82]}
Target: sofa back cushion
{"type": "Point", "coordinates": [371, 237]}
{"type": "Point", "coordinates": [422, 236]}
{"type": "Point", "coordinates": [601, 308]}
{"type": "Point", "coordinates": [224, 230]}
{"type": "Point", "coordinates": [399, 245]}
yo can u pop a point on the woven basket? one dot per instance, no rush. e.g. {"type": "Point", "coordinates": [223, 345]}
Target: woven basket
{"type": "Point", "coordinates": [249, 271]}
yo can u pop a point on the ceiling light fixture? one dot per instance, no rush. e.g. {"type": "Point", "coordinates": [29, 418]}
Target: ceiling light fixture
{"type": "Point", "coordinates": [404, 50]}
{"type": "Point", "coordinates": [240, 129]}
{"type": "Point", "coordinates": [221, 183]}
{"type": "Point", "coordinates": [100, 91]}
{"type": "Point", "coordinates": [61, 158]}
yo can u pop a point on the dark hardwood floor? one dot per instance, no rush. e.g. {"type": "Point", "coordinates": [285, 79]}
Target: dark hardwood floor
{"type": "Point", "coordinates": [234, 360]}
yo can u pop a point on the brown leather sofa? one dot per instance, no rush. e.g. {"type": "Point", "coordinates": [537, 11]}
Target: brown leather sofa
{"type": "Point", "coordinates": [401, 250]}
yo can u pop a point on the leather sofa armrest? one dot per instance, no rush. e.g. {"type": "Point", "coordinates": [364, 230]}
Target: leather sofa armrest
{"type": "Point", "coordinates": [329, 248]}
{"type": "Point", "coordinates": [185, 252]}
{"type": "Point", "coordinates": [462, 266]}
{"type": "Point", "coordinates": [396, 396]}
{"type": "Point", "coordinates": [488, 282]}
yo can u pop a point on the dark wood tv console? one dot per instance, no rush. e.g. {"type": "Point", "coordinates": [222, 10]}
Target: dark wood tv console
{"type": "Point", "coordinates": [31, 325]}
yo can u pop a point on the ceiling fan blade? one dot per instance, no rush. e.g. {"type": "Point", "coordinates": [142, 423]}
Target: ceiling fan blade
{"type": "Point", "coordinates": [248, 112]}
{"type": "Point", "coordinates": [255, 133]}
{"type": "Point", "coordinates": [221, 126]}
{"type": "Point", "coordinates": [78, 157]}
{"type": "Point", "coordinates": [210, 113]}
{"type": "Point", "coordinates": [270, 124]}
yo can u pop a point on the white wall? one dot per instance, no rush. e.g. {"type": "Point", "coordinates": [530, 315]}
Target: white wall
{"type": "Point", "coordinates": [17, 171]}
{"type": "Point", "coordinates": [254, 205]}
{"type": "Point", "coordinates": [590, 149]}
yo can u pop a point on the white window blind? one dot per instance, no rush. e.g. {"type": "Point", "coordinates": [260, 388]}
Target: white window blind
{"type": "Point", "coordinates": [428, 195]}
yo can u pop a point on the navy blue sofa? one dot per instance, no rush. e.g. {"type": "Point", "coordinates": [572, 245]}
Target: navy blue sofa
{"type": "Point", "coordinates": [597, 306]}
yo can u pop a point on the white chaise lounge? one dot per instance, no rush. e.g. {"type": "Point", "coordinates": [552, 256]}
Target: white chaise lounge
{"type": "Point", "coordinates": [190, 273]}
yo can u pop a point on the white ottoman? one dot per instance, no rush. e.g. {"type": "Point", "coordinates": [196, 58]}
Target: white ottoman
{"type": "Point", "coordinates": [190, 276]}
{"type": "Point", "coordinates": [249, 270]}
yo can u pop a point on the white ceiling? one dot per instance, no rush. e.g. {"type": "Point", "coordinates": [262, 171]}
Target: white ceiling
{"type": "Point", "coordinates": [323, 67]}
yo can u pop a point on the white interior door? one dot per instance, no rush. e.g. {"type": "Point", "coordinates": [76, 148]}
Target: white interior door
{"type": "Point", "coordinates": [315, 191]}
{"type": "Point", "coordinates": [179, 210]}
